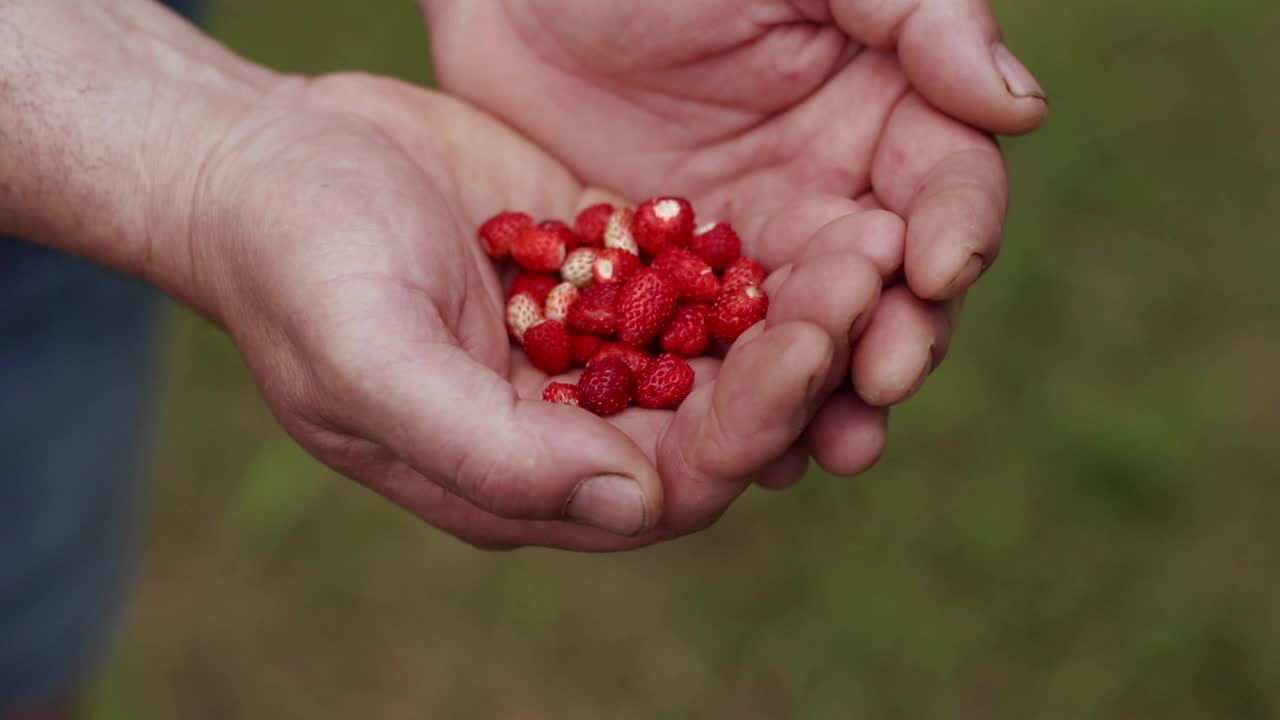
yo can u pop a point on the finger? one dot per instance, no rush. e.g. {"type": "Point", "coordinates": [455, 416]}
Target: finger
{"type": "Point", "coordinates": [847, 436]}
{"type": "Point", "coordinates": [462, 425]}
{"type": "Point", "coordinates": [952, 53]}
{"type": "Point", "coordinates": [835, 292]}
{"type": "Point", "coordinates": [906, 340]}
{"type": "Point", "coordinates": [787, 470]}
{"type": "Point", "coordinates": [768, 389]}
{"type": "Point", "coordinates": [821, 223]}
{"type": "Point", "coordinates": [950, 184]}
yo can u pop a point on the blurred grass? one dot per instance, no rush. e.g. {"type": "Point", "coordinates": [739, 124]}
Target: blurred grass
{"type": "Point", "coordinates": [1078, 518]}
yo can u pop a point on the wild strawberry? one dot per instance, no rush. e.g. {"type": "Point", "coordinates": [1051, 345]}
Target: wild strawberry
{"type": "Point", "coordinates": [560, 300]}
{"type": "Point", "coordinates": [617, 233]}
{"type": "Point", "coordinates": [666, 383]}
{"type": "Point", "coordinates": [687, 334]}
{"type": "Point", "coordinates": [523, 312]}
{"type": "Point", "coordinates": [595, 311]}
{"type": "Point", "coordinates": [743, 270]}
{"type": "Point", "coordinates": [614, 266]}
{"type": "Point", "coordinates": [694, 278]}
{"type": "Point", "coordinates": [661, 223]}
{"type": "Point", "coordinates": [591, 223]}
{"type": "Point", "coordinates": [536, 285]}
{"type": "Point", "coordinates": [636, 359]}
{"type": "Point", "coordinates": [585, 347]}
{"type": "Point", "coordinates": [538, 250]}
{"type": "Point", "coordinates": [739, 307]}
{"type": "Point", "coordinates": [548, 346]}
{"type": "Point", "coordinates": [646, 303]}
{"type": "Point", "coordinates": [564, 232]}
{"type": "Point", "coordinates": [500, 231]}
{"type": "Point", "coordinates": [717, 244]}
{"type": "Point", "coordinates": [607, 386]}
{"type": "Point", "coordinates": [563, 393]}
{"type": "Point", "coordinates": [577, 266]}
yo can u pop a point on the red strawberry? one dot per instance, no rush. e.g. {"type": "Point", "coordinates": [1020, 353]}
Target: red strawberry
{"type": "Point", "coordinates": [523, 312]}
{"type": "Point", "coordinates": [661, 223]}
{"type": "Point", "coordinates": [646, 304]}
{"type": "Point", "coordinates": [687, 334]}
{"type": "Point", "coordinates": [591, 222]}
{"type": "Point", "coordinates": [538, 250]}
{"type": "Point", "coordinates": [636, 359]}
{"type": "Point", "coordinates": [738, 308]}
{"type": "Point", "coordinates": [595, 312]}
{"type": "Point", "coordinates": [743, 270]}
{"type": "Point", "coordinates": [666, 384]}
{"type": "Point", "coordinates": [617, 233]}
{"type": "Point", "coordinates": [577, 266]}
{"type": "Point", "coordinates": [614, 266]}
{"type": "Point", "coordinates": [560, 300]}
{"type": "Point", "coordinates": [563, 393]}
{"type": "Point", "coordinates": [548, 346]}
{"type": "Point", "coordinates": [536, 285]}
{"type": "Point", "coordinates": [607, 387]}
{"type": "Point", "coordinates": [716, 243]}
{"type": "Point", "coordinates": [500, 231]}
{"type": "Point", "coordinates": [585, 347]}
{"type": "Point", "coordinates": [564, 232]}
{"type": "Point", "coordinates": [695, 279]}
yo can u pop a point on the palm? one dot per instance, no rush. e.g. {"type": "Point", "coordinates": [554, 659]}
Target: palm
{"type": "Point", "coordinates": [373, 312]}
{"type": "Point", "coordinates": [772, 119]}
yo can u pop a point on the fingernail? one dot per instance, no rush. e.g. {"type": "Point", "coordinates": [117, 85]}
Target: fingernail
{"type": "Point", "coordinates": [1017, 78]}
{"type": "Point", "coordinates": [968, 274]}
{"type": "Point", "coordinates": [924, 373]}
{"type": "Point", "coordinates": [609, 502]}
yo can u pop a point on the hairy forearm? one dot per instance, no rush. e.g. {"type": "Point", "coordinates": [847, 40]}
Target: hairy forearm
{"type": "Point", "coordinates": [107, 109]}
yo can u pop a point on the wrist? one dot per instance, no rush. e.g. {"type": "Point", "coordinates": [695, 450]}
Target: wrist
{"type": "Point", "coordinates": [121, 104]}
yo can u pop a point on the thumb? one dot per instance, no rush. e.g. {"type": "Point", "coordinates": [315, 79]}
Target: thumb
{"type": "Point", "coordinates": [951, 52]}
{"type": "Point", "coordinates": [463, 426]}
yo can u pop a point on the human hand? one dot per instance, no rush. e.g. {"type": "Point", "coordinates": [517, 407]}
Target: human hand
{"type": "Point", "coordinates": [814, 126]}
{"type": "Point", "coordinates": [334, 237]}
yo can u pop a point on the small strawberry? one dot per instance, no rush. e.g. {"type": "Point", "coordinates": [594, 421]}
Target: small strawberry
{"type": "Point", "coordinates": [560, 300]}
{"type": "Point", "coordinates": [564, 232]}
{"type": "Point", "coordinates": [536, 285]}
{"type": "Point", "coordinates": [595, 312]}
{"type": "Point", "coordinates": [585, 347]}
{"type": "Point", "coordinates": [716, 243]}
{"type": "Point", "coordinates": [666, 384]}
{"type": "Point", "coordinates": [617, 233]}
{"type": "Point", "coordinates": [687, 334]}
{"type": "Point", "coordinates": [563, 393]}
{"type": "Point", "coordinates": [500, 231]}
{"type": "Point", "coordinates": [636, 359]}
{"type": "Point", "coordinates": [646, 304]}
{"type": "Point", "coordinates": [548, 346]}
{"type": "Point", "coordinates": [613, 266]}
{"type": "Point", "coordinates": [591, 223]}
{"type": "Point", "coordinates": [695, 279]}
{"type": "Point", "coordinates": [738, 308]}
{"type": "Point", "coordinates": [743, 270]}
{"type": "Point", "coordinates": [661, 223]}
{"type": "Point", "coordinates": [607, 387]}
{"type": "Point", "coordinates": [523, 312]}
{"type": "Point", "coordinates": [538, 250]}
{"type": "Point", "coordinates": [577, 266]}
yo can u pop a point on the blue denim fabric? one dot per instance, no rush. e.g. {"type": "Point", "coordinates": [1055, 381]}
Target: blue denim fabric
{"type": "Point", "coordinates": [77, 361]}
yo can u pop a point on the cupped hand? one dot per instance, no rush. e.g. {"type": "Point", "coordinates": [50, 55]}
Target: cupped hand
{"type": "Point", "coordinates": [333, 232]}
{"type": "Point", "coordinates": [832, 133]}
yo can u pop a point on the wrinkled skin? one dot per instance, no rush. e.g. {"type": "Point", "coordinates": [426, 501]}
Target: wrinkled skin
{"type": "Point", "coordinates": [803, 122]}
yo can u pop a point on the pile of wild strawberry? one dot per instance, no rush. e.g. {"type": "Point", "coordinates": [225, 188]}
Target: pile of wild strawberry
{"type": "Point", "coordinates": [622, 283]}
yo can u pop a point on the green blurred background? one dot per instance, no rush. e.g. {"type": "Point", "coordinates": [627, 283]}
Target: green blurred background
{"type": "Point", "coordinates": [1076, 519]}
